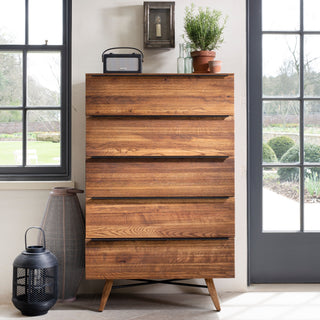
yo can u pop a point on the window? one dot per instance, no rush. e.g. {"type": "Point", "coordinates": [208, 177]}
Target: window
{"type": "Point", "coordinates": [291, 110]}
{"type": "Point", "coordinates": [35, 89]}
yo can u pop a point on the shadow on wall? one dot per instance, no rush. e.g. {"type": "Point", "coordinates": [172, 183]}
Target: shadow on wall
{"type": "Point", "coordinates": [78, 138]}
{"type": "Point", "coordinates": [127, 23]}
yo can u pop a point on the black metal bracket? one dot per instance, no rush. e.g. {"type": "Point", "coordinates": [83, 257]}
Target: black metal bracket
{"type": "Point", "coordinates": [145, 282]}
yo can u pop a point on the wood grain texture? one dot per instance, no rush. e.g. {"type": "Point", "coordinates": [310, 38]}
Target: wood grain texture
{"type": "Point", "coordinates": [213, 293]}
{"type": "Point", "coordinates": [105, 294]}
{"type": "Point", "coordinates": [159, 178]}
{"type": "Point", "coordinates": [156, 218]}
{"type": "Point", "coordinates": [145, 94]}
{"type": "Point", "coordinates": [159, 137]}
{"type": "Point", "coordinates": [162, 151]}
{"type": "Point", "coordinates": [176, 259]}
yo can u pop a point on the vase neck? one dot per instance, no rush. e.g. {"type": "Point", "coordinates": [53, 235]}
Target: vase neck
{"type": "Point", "coordinates": [188, 51]}
{"type": "Point", "coordinates": [181, 50]}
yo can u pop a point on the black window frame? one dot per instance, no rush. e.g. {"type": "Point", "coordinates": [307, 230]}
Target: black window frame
{"type": "Point", "coordinates": [44, 173]}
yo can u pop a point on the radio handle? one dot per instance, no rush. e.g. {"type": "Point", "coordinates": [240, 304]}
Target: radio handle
{"type": "Point", "coordinates": [123, 48]}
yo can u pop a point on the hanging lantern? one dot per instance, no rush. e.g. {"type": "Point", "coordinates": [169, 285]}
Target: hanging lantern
{"type": "Point", "coordinates": [35, 273]}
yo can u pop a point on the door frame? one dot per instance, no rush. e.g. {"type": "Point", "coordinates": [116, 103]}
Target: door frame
{"type": "Point", "coordinates": [273, 257]}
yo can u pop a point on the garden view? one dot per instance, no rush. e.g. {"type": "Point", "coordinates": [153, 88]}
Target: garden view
{"type": "Point", "coordinates": [282, 138]}
{"type": "Point", "coordinates": [42, 114]}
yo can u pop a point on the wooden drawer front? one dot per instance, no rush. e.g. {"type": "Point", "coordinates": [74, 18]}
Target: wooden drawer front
{"type": "Point", "coordinates": [160, 259]}
{"type": "Point", "coordinates": [159, 137]}
{"type": "Point", "coordinates": [156, 218]}
{"type": "Point", "coordinates": [159, 178]}
{"type": "Point", "coordinates": [159, 95]}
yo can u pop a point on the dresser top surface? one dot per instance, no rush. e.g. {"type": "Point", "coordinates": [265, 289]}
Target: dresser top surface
{"type": "Point", "coordinates": [218, 75]}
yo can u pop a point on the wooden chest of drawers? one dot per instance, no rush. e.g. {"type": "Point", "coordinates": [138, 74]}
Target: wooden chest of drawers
{"type": "Point", "coordinates": [159, 177]}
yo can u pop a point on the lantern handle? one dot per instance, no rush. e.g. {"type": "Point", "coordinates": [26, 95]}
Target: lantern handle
{"type": "Point", "coordinates": [43, 234]}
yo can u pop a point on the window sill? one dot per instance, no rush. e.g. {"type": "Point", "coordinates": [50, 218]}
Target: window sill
{"type": "Point", "coordinates": [34, 185]}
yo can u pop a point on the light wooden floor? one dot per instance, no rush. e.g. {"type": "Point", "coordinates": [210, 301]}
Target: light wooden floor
{"type": "Point", "coordinates": [258, 305]}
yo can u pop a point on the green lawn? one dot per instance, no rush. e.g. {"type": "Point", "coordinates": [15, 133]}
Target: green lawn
{"type": "Point", "coordinates": [40, 152]}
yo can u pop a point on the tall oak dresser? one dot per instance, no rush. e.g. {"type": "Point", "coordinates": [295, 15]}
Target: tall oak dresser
{"type": "Point", "coordinates": [159, 177]}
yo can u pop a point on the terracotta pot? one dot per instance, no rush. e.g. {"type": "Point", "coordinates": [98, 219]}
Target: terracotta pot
{"type": "Point", "coordinates": [215, 66]}
{"type": "Point", "coordinates": [200, 60]}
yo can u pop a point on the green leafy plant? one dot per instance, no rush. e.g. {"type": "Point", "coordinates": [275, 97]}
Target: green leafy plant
{"type": "Point", "coordinates": [204, 28]}
{"type": "Point", "coordinates": [311, 154]}
{"type": "Point", "coordinates": [268, 155]}
{"type": "Point", "coordinates": [312, 183]}
{"type": "Point", "coordinates": [48, 136]}
{"type": "Point", "coordinates": [280, 145]}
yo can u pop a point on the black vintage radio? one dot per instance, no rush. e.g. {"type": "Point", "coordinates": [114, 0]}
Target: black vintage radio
{"type": "Point", "coordinates": [122, 62]}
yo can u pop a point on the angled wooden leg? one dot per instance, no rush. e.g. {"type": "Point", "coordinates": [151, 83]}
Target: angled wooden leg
{"type": "Point", "coordinates": [105, 294]}
{"type": "Point", "coordinates": [213, 293]}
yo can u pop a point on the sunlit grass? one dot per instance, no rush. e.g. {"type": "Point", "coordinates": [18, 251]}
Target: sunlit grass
{"type": "Point", "coordinates": [46, 153]}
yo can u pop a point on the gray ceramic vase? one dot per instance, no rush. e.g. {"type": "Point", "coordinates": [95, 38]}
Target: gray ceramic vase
{"type": "Point", "coordinates": [63, 224]}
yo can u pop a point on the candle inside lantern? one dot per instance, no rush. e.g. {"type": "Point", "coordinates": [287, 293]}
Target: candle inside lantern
{"type": "Point", "coordinates": [158, 27]}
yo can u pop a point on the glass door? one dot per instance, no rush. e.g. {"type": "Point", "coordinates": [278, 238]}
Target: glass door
{"type": "Point", "coordinates": [284, 140]}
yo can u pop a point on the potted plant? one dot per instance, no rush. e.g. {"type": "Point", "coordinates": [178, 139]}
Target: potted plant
{"type": "Point", "coordinates": [204, 30]}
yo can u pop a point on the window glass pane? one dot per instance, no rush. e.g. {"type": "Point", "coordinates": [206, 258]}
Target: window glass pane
{"type": "Point", "coordinates": [161, 16]}
{"type": "Point", "coordinates": [312, 199]}
{"type": "Point", "coordinates": [312, 131]}
{"type": "Point", "coordinates": [10, 79]}
{"type": "Point", "coordinates": [281, 208]}
{"type": "Point", "coordinates": [43, 146]}
{"type": "Point", "coordinates": [12, 21]}
{"type": "Point", "coordinates": [10, 137]}
{"type": "Point", "coordinates": [280, 15]}
{"type": "Point", "coordinates": [281, 131]}
{"type": "Point", "coordinates": [311, 15]}
{"type": "Point", "coordinates": [281, 63]}
{"type": "Point", "coordinates": [45, 22]}
{"type": "Point", "coordinates": [312, 65]}
{"type": "Point", "coordinates": [43, 79]}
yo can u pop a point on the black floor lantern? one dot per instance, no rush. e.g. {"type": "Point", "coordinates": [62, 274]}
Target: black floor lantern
{"type": "Point", "coordinates": [35, 273]}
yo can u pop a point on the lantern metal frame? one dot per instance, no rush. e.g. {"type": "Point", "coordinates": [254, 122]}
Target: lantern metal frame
{"type": "Point", "coordinates": [35, 273]}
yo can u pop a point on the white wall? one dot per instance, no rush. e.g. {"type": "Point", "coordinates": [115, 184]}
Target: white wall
{"type": "Point", "coordinates": [98, 25]}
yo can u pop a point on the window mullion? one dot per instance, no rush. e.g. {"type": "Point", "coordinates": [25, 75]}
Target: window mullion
{"type": "Point", "coordinates": [24, 88]}
{"type": "Point", "coordinates": [27, 22]}
{"type": "Point", "coordinates": [301, 117]}
{"type": "Point", "coordinates": [24, 111]}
